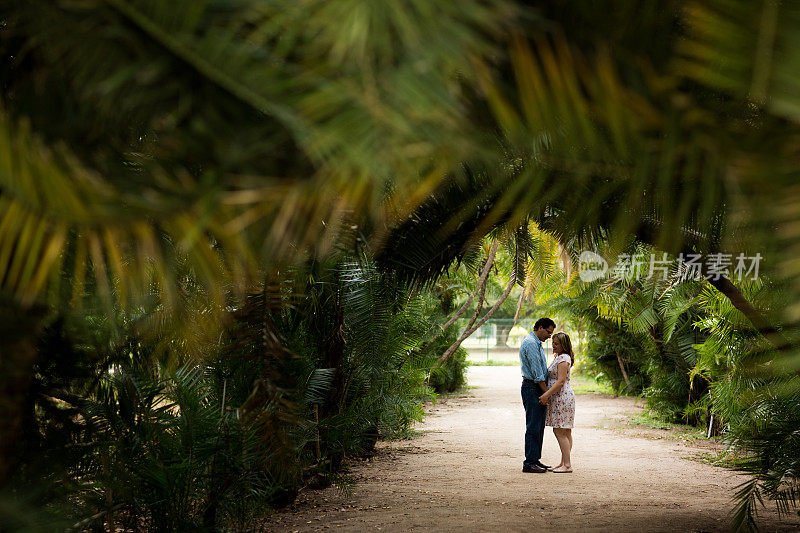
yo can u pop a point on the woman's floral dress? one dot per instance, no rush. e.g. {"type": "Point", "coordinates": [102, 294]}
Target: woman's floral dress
{"type": "Point", "coordinates": [561, 408]}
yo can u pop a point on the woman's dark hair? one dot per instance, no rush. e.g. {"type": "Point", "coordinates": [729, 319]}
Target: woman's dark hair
{"type": "Point", "coordinates": [544, 323]}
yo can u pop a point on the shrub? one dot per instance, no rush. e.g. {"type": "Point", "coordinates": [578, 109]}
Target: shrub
{"type": "Point", "coordinates": [450, 376]}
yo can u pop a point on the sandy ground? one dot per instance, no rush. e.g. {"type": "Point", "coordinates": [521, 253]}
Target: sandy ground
{"type": "Point", "coordinates": [464, 474]}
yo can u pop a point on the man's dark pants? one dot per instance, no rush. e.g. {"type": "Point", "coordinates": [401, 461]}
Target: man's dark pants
{"type": "Point", "coordinates": [534, 421]}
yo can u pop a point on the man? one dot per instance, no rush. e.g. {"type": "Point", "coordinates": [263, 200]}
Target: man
{"type": "Point", "coordinates": [534, 383]}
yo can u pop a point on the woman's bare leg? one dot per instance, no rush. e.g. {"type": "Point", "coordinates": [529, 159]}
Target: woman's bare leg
{"type": "Point", "coordinates": [564, 444]}
{"type": "Point", "coordinates": [555, 434]}
{"type": "Point", "coordinates": [569, 436]}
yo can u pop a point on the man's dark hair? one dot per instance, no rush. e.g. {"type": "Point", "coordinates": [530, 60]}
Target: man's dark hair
{"type": "Point", "coordinates": [544, 323]}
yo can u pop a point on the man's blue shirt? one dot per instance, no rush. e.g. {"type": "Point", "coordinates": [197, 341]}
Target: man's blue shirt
{"type": "Point", "coordinates": [532, 359]}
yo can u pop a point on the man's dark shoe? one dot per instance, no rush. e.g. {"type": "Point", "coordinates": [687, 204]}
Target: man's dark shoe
{"type": "Point", "coordinates": [533, 469]}
{"type": "Point", "coordinates": [539, 463]}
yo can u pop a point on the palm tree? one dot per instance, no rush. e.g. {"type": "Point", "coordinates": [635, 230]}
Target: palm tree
{"type": "Point", "coordinates": [152, 145]}
{"type": "Point", "coordinates": [153, 151]}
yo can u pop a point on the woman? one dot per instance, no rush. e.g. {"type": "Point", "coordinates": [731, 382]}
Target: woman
{"type": "Point", "coordinates": [560, 399]}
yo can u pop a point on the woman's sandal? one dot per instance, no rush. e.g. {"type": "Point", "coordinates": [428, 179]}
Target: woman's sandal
{"type": "Point", "coordinates": [561, 470]}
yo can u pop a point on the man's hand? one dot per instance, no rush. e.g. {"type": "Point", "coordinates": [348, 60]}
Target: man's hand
{"type": "Point", "coordinates": [543, 399]}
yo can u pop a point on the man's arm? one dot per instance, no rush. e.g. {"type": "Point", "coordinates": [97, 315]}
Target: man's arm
{"type": "Point", "coordinates": [525, 360]}
{"type": "Point", "coordinates": [540, 369]}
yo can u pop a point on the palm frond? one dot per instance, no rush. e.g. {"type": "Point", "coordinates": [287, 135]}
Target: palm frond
{"type": "Point", "coordinates": [745, 48]}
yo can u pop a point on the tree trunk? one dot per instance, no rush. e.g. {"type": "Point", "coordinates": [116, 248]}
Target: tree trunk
{"type": "Point", "coordinates": [714, 425]}
{"type": "Point", "coordinates": [469, 331]}
{"type": "Point", "coordinates": [480, 292]}
{"type": "Point", "coordinates": [17, 358]}
{"type": "Point", "coordinates": [502, 335]}
{"type": "Point", "coordinates": [566, 261]}
{"type": "Point", "coordinates": [480, 287]}
{"type": "Point", "coordinates": [756, 317]}
{"type": "Point", "coordinates": [332, 349]}
{"type": "Point", "coordinates": [622, 367]}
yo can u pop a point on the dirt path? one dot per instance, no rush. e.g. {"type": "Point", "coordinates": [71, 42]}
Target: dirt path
{"type": "Point", "coordinates": [464, 474]}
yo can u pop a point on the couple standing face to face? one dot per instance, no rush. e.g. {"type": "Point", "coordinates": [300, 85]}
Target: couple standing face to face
{"type": "Point", "coordinates": [534, 383]}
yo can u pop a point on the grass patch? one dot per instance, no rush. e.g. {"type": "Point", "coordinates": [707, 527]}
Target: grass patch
{"type": "Point", "coordinates": [409, 434]}
{"type": "Point", "coordinates": [462, 392]}
{"type": "Point", "coordinates": [647, 420]}
{"type": "Point", "coordinates": [722, 458]}
{"type": "Point", "coordinates": [465, 391]}
{"type": "Point", "coordinates": [493, 363]}
{"type": "Point", "coordinates": [585, 385]}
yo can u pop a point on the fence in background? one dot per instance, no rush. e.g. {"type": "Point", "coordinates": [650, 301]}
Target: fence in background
{"type": "Point", "coordinates": [498, 340]}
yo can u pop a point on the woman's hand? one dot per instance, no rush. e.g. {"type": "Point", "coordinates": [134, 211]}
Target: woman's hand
{"type": "Point", "coordinates": [563, 371]}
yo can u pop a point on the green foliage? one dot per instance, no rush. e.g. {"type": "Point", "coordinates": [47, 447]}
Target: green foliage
{"type": "Point", "coordinates": [314, 367]}
{"type": "Point", "coordinates": [172, 457]}
{"type": "Point", "coordinates": [600, 357]}
{"type": "Point", "coordinates": [697, 359]}
{"type": "Point", "coordinates": [450, 376]}
{"type": "Point", "coordinates": [138, 447]}
{"type": "Point", "coordinates": [756, 401]}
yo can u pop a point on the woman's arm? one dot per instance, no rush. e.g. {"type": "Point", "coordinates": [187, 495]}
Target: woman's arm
{"type": "Point", "coordinates": [563, 371]}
